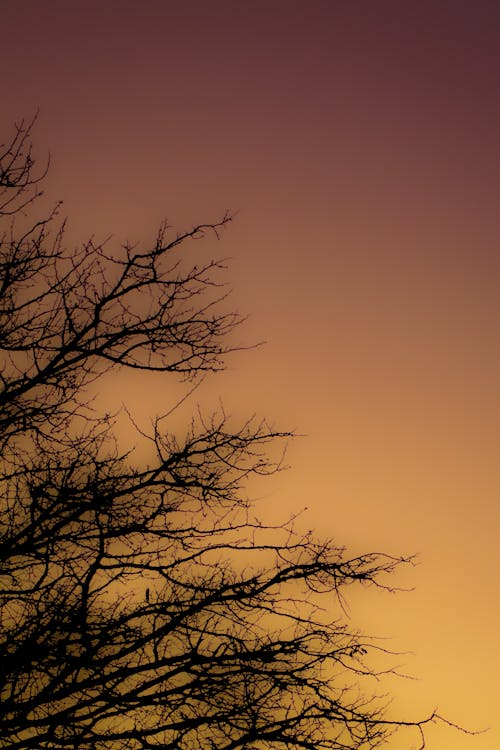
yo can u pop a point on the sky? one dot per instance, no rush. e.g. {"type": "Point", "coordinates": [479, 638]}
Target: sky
{"type": "Point", "coordinates": [359, 145]}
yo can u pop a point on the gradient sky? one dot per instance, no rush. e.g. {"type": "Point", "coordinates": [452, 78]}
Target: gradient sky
{"type": "Point", "coordinates": [360, 144]}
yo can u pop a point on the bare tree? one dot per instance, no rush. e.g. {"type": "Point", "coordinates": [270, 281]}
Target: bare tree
{"type": "Point", "coordinates": [147, 606]}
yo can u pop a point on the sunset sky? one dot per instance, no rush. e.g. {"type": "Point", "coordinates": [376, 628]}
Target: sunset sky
{"type": "Point", "coordinates": [359, 143]}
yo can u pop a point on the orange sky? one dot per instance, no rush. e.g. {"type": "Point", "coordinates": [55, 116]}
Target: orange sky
{"type": "Point", "coordinates": [360, 143]}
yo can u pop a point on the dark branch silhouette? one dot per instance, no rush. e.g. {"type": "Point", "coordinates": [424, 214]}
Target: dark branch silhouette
{"type": "Point", "coordinates": [147, 606]}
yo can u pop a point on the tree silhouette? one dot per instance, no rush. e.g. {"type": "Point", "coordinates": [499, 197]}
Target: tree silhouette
{"type": "Point", "coordinates": [147, 606]}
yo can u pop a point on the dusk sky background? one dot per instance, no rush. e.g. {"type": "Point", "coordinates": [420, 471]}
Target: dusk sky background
{"type": "Point", "coordinates": [359, 144]}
